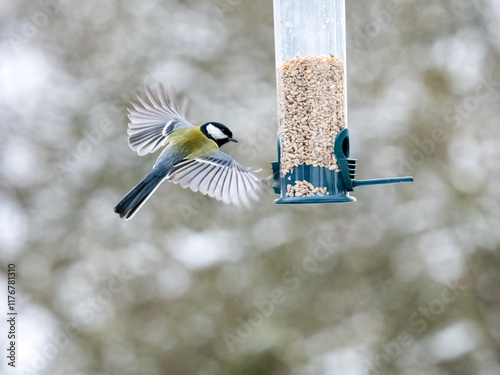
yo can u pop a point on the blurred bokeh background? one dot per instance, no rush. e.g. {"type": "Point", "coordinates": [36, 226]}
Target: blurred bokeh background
{"type": "Point", "coordinates": [404, 281]}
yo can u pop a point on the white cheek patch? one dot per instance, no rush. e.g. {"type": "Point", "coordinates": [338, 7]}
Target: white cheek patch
{"type": "Point", "coordinates": [215, 132]}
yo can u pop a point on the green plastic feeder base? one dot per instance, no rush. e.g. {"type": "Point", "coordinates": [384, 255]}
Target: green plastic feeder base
{"type": "Point", "coordinates": [335, 185]}
{"type": "Point", "coordinates": [319, 177]}
{"type": "Point", "coordinates": [340, 198]}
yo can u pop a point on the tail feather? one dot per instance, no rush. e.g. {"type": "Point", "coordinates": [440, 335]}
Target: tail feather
{"type": "Point", "coordinates": [139, 194]}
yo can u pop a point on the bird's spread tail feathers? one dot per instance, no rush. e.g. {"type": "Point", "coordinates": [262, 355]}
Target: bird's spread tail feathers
{"type": "Point", "coordinates": [136, 197]}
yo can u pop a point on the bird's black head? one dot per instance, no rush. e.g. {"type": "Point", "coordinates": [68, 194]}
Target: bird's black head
{"type": "Point", "coordinates": [217, 132]}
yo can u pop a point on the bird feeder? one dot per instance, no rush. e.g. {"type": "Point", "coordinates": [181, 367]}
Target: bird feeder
{"type": "Point", "coordinates": [313, 140]}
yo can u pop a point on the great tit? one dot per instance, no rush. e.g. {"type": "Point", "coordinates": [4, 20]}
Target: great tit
{"type": "Point", "coordinates": [191, 157]}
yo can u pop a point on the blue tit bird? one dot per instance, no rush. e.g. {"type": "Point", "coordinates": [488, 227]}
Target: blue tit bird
{"type": "Point", "coordinates": [191, 157]}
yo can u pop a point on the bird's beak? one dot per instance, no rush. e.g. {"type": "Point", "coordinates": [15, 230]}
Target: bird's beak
{"type": "Point", "coordinates": [233, 140]}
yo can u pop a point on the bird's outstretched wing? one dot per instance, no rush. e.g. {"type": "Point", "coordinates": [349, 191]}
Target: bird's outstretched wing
{"type": "Point", "coordinates": [219, 176]}
{"type": "Point", "coordinates": [154, 118]}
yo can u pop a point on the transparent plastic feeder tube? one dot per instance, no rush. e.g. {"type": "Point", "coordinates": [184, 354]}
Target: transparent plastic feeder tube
{"type": "Point", "coordinates": [312, 106]}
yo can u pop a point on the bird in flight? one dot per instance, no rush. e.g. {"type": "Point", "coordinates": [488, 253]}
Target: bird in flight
{"type": "Point", "coordinates": [191, 156]}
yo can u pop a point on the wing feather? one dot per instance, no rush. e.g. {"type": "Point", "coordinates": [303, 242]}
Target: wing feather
{"type": "Point", "coordinates": [212, 187]}
{"type": "Point", "coordinates": [153, 118]}
{"type": "Point", "coordinates": [226, 188]}
{"type": "Point", "coordinates": [219, 176]}
{"type": "Point", "coordinates": [198, 183]}
{"type": "Point", "coordinates": [207, 179]}
{"type": "Point", "coordinates": [191, 173]}
{"type": "Point", "coordinates": [235, 194]}
{"type": "Point", "coordinates": [242, 187]}
{"type": "Point", "coordinates": [219, 188]}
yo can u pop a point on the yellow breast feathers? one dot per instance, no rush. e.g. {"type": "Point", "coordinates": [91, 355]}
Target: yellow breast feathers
{"type": "Point", "coordinates": [193, 142]}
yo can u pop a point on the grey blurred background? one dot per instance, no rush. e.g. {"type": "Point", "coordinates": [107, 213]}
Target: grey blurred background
{"type": "Point", "coordinates": [404, 281]}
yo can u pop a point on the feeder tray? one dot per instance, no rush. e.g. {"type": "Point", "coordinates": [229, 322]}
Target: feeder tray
{"type": "Point", "coordinates": [337, 184]}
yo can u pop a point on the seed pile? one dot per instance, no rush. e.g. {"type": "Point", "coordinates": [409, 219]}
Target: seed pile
{"type": "Point", "coordinates": [312, 110]}
{"type": "Point", "coordinates": [304, 189]}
